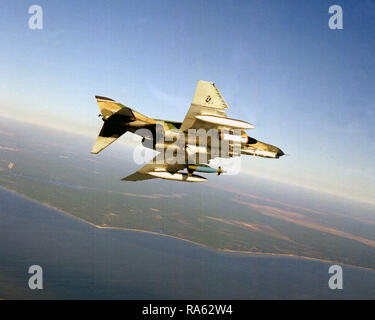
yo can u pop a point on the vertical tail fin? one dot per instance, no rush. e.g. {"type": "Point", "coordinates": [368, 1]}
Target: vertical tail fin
{"type": "Point", "coordinates": [109, 107]}
{"type": "Point", "coordinates": [115, 117]}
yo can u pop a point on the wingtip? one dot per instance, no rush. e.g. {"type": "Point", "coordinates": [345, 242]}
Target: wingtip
{"type": "Point", "coordinates": [103, 98]}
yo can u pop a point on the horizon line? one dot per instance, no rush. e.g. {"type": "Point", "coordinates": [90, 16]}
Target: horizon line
{"type": "Point", "coordinates": [311, 188]}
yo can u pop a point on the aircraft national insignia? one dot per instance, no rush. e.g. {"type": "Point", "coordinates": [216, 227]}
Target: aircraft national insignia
{"type": "Point", "coordinates": [227, 137]}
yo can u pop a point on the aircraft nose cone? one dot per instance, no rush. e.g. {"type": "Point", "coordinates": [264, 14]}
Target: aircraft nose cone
{"type": "Point", "coordinates": [279, 153]}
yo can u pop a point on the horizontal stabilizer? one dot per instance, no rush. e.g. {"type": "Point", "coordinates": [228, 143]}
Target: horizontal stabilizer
{"type": "Point", "coordinates": [110, 132]}
{"type": "Point", "coordinates": [102, 143]}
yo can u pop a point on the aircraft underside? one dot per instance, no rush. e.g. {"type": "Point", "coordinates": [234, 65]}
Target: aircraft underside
{"type": "Point", "coordinates": [183, 147]}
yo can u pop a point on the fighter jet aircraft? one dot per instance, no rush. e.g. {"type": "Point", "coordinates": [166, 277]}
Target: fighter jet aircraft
{"type": "Point", "coordinates": [206, 114]}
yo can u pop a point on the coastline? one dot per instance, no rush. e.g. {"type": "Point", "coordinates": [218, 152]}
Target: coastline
{"type": "Point", "coordinates": [220, 250]}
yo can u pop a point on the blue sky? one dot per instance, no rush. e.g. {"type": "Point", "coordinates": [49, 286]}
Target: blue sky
{"type": "Point", "coordinates": [308, 89]}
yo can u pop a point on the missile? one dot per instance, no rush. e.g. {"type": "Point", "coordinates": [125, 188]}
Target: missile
{"type": "Point", "coordinates": [177, 176]}
{"type": "Point", "coordinates": [204, 168]}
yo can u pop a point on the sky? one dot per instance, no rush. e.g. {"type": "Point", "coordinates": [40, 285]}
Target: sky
{"type": "Point", "coordinates": [308, 89]}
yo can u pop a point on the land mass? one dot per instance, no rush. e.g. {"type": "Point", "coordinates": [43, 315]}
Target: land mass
{"type": "Point", "coordinates": [242, 214]}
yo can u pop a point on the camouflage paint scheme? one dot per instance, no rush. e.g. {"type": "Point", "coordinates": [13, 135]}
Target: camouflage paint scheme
{"type": "Point", "coordinates": [206, 112]}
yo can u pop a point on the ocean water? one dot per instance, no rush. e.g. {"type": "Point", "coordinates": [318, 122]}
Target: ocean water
{"type": "Point", "coordinates": [80, 261]}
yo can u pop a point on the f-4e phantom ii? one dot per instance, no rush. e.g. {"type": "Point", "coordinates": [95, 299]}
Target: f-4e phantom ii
{"type": "Point", "coordinates": [206, 114]}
